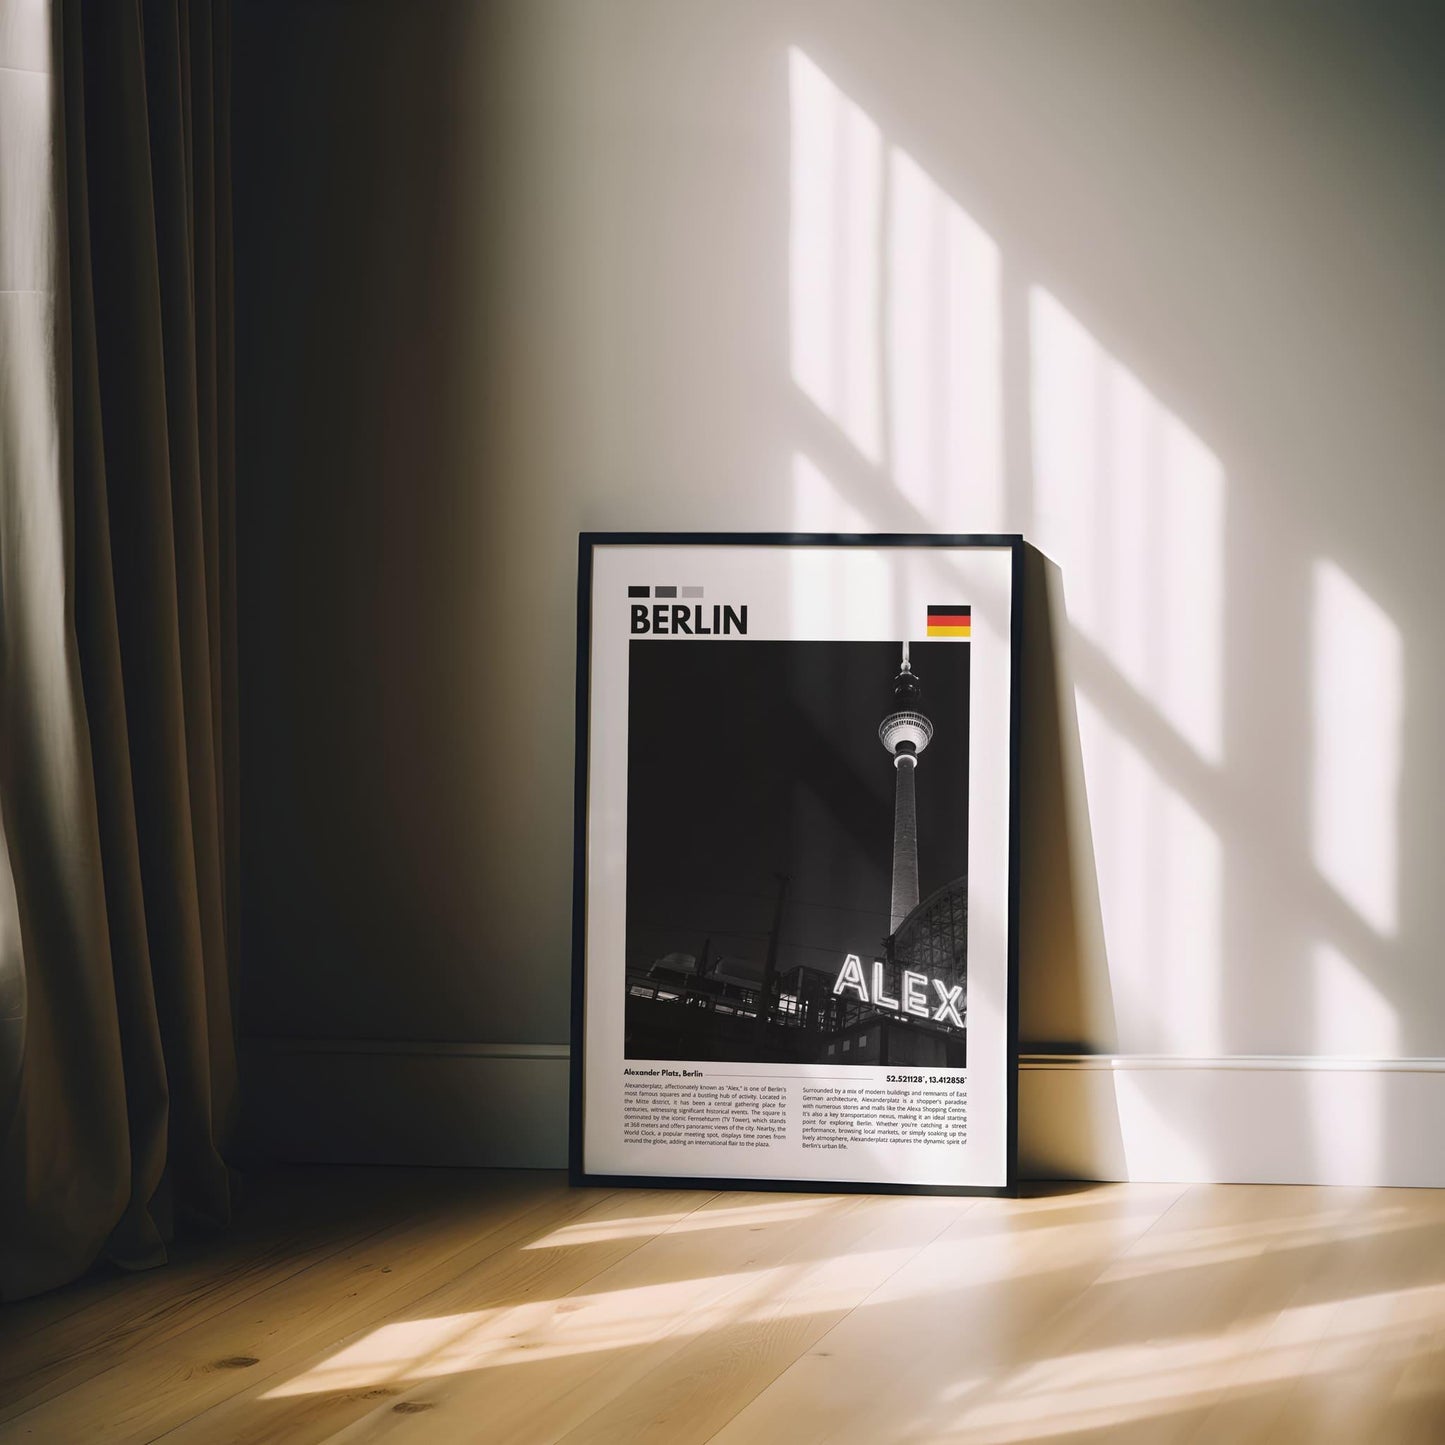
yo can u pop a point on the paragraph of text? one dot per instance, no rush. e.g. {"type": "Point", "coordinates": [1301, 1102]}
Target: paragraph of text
{"type": "Point", "coordinates": [705, 1112]}
{"type": "Point", "coordinates": [837, 1116]}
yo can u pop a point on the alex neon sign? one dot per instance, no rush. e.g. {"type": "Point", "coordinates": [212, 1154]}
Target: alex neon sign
{"type": "Point", "coordinates": [912, 992]}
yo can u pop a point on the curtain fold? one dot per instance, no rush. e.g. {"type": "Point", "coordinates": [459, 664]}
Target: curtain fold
{"type": "Point", "coordinates": [117, 781]}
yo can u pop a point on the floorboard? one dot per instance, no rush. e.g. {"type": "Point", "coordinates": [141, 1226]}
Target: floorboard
{"type": "Point", "coordinates": [351, 1305]}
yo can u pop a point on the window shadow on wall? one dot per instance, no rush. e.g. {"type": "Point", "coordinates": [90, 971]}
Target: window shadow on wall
{"type": "Point", "coordinates": [1213, 827]}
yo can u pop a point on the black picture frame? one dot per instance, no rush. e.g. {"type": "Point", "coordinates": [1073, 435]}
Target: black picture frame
{"type": "Point", "coordinates": [587, 544]}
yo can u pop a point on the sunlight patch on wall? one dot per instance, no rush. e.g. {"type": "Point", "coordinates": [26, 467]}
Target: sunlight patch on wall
{"type": "Point", "coordinates": [1359, 687]}
{"type": "Point", "coordinates": [1161, 879]}
{"type": "Point", "coordinates": [1128, 501]}
{"type": "Point", "coordinates": [819, 579]}
{"type": "Point", "coordinates": [1130, 504]}
{"type": "Point", "coordinates": [895, 312]}
{"type": "Point", "coordinates": [837, 182]}
{"type": "Point", "coordinates": [944, 353]}
{"type": "Point", "coordinates": [1353, 1019]}
{"type": "Point", "coordinates": [818, 505]}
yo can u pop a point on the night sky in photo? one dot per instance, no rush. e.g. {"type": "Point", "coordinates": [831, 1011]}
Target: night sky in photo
{"type": "Point", "coordinates": [749, 759]}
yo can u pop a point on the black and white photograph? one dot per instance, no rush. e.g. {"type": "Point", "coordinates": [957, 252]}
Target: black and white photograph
{"type": "Point", "coordinates": [797, 836]}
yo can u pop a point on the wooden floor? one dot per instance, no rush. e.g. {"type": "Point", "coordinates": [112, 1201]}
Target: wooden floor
{"type": "Point", "coordinates": [367, 1305]}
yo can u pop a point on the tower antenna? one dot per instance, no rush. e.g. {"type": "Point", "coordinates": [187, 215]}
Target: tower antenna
{"type": "Point", "coordinates": [905, 732]}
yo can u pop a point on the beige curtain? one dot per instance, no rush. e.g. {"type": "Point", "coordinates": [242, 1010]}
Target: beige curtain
{"type": "Point", "coordinates": [117, 675]}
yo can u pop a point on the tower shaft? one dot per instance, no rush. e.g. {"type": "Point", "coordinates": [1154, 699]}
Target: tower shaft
{"type": "Point", "coordinates": [905, 844]}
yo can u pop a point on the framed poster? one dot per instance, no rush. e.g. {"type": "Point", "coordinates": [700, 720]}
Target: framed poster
{"type": "Point", "coordinates": [796, 893]}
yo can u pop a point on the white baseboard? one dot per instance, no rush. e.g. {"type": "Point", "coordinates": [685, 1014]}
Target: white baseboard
{"type": "Point", "coordinates": [366, 1101]}
{"type": "Point", "coordinates": [1235, 1120]}
{"type": "Point", "coordinates": [1216, 1120]}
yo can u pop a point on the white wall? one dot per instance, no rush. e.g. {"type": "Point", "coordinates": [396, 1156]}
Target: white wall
{"type": "Point", "coordinates": [1157, 286]}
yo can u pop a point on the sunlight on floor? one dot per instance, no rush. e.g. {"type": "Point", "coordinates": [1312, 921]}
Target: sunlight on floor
{"type": "Point", "coordinates": [734, 1217]}
{"type": "Point", "coordinates": [1223, 1243]}
{"type": "Point", "coordinates": [1017, 1383]}
{"type": "Point", "coordinates": [588, 1322]}
{"type": "Point", "coordinates": [972, 1245]}
{"type": "Point", "coordinates": [1097, 1388]}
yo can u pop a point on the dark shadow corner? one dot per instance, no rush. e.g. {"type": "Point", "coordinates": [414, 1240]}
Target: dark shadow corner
{"type": "Point", "coordinates": [1066, 1005]}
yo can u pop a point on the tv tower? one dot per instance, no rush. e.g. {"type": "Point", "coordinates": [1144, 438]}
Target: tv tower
{"type": "Point", "coordinates": [905, 732]}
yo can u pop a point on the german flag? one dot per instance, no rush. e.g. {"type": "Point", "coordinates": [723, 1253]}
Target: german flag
{"type": "Point", "coordinates": [950, 622]}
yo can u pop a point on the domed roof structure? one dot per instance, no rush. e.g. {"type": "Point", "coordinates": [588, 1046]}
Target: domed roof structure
{"type": "Point", "coordinates": [933, 938]}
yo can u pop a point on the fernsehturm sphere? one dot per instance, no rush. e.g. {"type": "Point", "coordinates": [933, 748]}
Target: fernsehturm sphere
{"type": "Point", "coordinates": [905, 732]}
